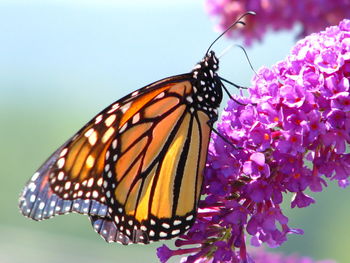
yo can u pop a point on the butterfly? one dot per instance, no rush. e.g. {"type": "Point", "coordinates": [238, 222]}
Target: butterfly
{"type": "Point", "coordinates": [136, 169]}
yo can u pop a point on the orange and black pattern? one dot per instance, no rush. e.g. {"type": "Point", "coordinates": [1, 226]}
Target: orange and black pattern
{"type": "Point", "coordinates": [137, 167]}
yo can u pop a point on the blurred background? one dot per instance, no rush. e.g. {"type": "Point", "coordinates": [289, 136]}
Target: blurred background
{"type": "Point", "coordinates": [61, 62]}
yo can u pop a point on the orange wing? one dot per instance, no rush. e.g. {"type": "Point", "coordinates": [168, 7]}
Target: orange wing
{"type": "Point", "coordinates": [74, 171]}
{"type": "Point", "coordinates": [154, 168]}
{"type": "Point", "coordinates": [136, 168]}
{"type": "Point", "coordinates": [125, 159]}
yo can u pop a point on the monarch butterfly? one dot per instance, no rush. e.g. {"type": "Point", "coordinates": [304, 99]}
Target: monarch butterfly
{"type": "Point", "coordinates": [136, 169]}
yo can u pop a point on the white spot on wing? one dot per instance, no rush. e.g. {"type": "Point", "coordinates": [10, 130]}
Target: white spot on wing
{"type": "Point", "coordinates": [90, 182]}
{"type": "Point", "coordinates": [175, 232]}
{"type": "Point", "coordinates": [100, 181]}
{"type": "Point", "coordinates": [60, 176]}
{"type": "Point", "coordinates": [163, 234]}
{"type": "Point", "coordinates": [60, 163]}
{"type": "Point", "coordinates": [123, 127]}
{"type": "Point", "coordinates": [95, 194]}
{"type": "Point", "coordinates": [89, 132]}
{"type": "Point", "coordinates": [114, 108]}
{"type": "Point", "coordinates": [189, 217]}
{"type": "Point", "coordinates": [93, 137]}
{"type": "Point", "coordinates": [136, 118]}
{"type": "Point", "coordinates": [165, 225]}
{"type": "Point", "coordinates": [177, 222]}
{"type": "Point", "coordinates": [67, 185]}
{"type": "Point", "coordinates": [107, 134]}
{"type": "Point", "coordinates": [32, 198]}
{"type": "Point", "coordinates": [109, 121]}
{"type": "Point", "coordinates": [160, 95]}
{"type": "Point", "coordinates": [125, 107]}
{"type": "Point", "coordinates": [114, 144]}
{"type": "Point", "coordinates": [98, 119]}
{"type": "Point", "coordinates": [64, 152]}
{"type": "Point", "coordinates": [35, 176]}
{"type": "Point", "coordinates": [32, 187]}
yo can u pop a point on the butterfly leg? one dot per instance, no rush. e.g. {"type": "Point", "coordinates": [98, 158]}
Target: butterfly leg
{"type": "Point", "coordinates": [233, 84]}
{"type": "Point", "coordinates": [229, 94]}
{"type": "Point", "coordinates": [210, 123]}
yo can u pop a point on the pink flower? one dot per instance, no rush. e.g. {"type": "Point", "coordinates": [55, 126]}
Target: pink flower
{"type": "Point", "coordinates": [291, 135]}
{"type": "Point", "coordinates": [312, 15]}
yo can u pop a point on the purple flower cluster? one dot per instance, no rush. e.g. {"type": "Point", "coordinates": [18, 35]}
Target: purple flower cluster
{"type": "Point", "coordinates": [312, 15]}
{"type": "Point", "coordinates": [290, 135]}
{"type": "Point", "coordinates": [262, 256]}
{"type": "Point", "coordinates": [256, 255]}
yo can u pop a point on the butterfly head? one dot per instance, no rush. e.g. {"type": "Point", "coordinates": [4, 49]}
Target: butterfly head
{"type": "Point", "coordinates": [209, 62]}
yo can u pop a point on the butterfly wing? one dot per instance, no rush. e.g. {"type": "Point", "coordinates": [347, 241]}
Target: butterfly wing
{"type": "Point", "coordinates": [38, 201]}
{"type": "Point", "coordinates": [153, 173]}
{"type": "Point", "coordinates": [72, 175]}
{"type": "Point", "coordinates": [136, 168]}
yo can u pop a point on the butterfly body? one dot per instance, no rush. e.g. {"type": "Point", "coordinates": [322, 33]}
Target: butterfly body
{"type": "Point", "coordinates": [137, 167]}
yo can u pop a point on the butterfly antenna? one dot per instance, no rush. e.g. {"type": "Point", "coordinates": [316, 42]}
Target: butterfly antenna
{"type": "Point", "coordinates": [246, 55]}
{"type": "Point", "coordinates": [225, 51]}
{"type": "Point", "coordinates": [238, 21]}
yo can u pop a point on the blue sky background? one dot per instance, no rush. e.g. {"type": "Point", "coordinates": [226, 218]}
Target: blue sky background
{"type": "Point", "coordinates": [61, 62]}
